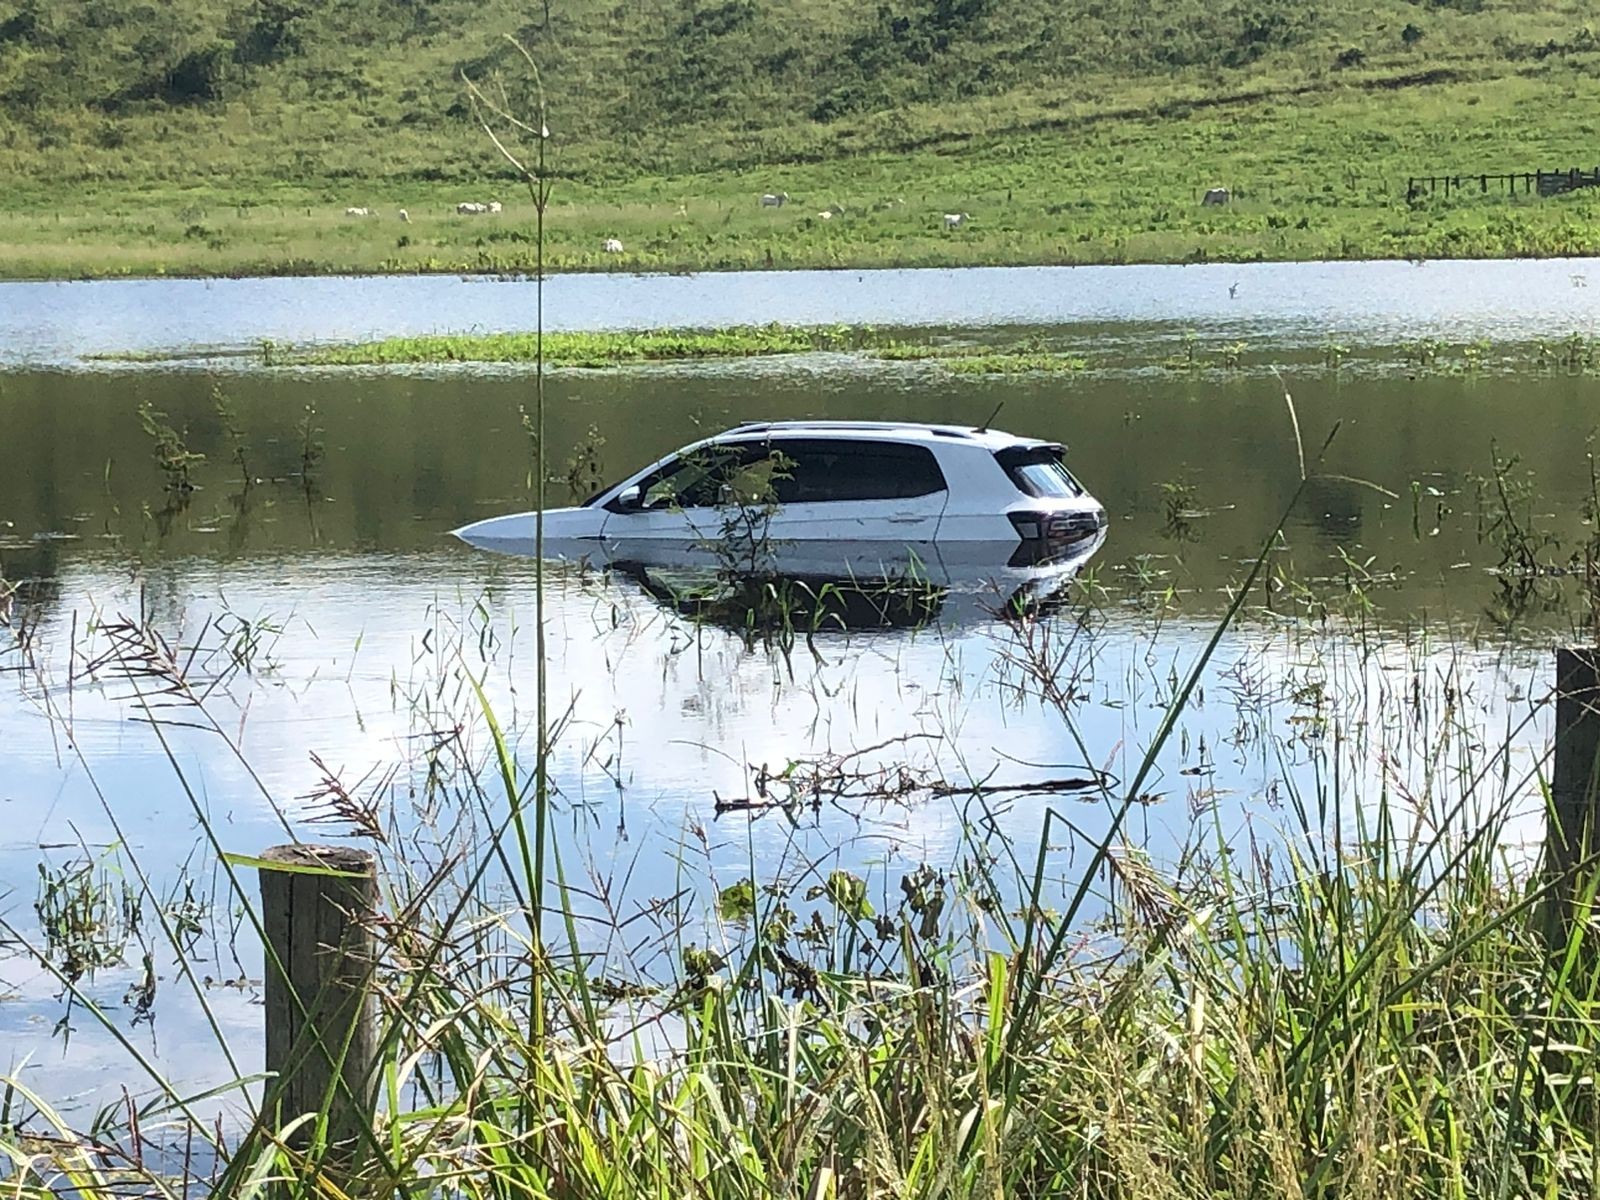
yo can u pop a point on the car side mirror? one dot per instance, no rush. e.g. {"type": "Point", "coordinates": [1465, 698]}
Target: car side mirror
{"type": "Point", "coordinates": [629, 499]}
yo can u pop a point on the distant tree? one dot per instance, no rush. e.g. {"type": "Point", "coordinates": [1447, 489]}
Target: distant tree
{"type": "Point", "coordinates": [1411, 35]}
{"type": "Point", "coordinates": [269, 32]}
{"type": "Point", "coordinates": [199, 75]}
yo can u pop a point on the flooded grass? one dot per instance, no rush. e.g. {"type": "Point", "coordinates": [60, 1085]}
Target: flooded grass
{"type": "Point", "coordinates": [1065, 351]}
{"type": "Point", "coordinates": [602, 349]}
{"type": "Point", "coordinates": [1364, 986]}
{"type": "Point", "coordinates": [589, 349]}
{"type": "Point", "coordinates": [1340, 978]}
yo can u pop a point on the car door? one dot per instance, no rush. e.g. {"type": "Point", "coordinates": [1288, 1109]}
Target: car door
{"type": "Point", "coordinates": [682, 507]}
{"type": "Point", "coordinates": [861, 506]}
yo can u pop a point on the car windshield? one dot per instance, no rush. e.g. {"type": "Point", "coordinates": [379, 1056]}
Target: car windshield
{"type": "Point", "coordinates": [1039, 471]}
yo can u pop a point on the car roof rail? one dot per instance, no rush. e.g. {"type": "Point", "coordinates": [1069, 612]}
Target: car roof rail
{"type": "Point", "coordinates": [950, 431]}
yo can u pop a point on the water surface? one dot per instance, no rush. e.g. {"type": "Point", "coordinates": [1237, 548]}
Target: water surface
{"type": "Point", "coordinates": [332, 617]}
{"type": "Point", "coordinates": [1297, 303]}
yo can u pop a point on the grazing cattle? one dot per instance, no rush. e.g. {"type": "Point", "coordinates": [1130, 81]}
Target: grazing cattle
{"type": "Point", "coordinates": [405, 216]}
{"type": "Point", "coordinates": [825, 215]}
{"type": "Point", "coordinates": [1216, 196]}
{"type": "Point", "coordinates": [956, 220]}
{"type": "Point", "coordinates": [470, 208]}
{"type": "Point", "coordinates": [613, 246]}
{"type": "Point", "coordinates": [358, 212]}
{"type": "Point", "coordinates": [774, 199]}
{"type": "Point", "coordinates": [494, 206]}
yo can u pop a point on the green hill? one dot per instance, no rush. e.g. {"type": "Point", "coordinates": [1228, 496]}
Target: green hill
{"type": "Point", "coordinates": [118, 117]}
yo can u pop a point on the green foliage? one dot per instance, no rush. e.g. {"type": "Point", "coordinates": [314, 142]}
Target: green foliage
{"type": "Point", "coordinates": [737, 901]}
{"type": "Point", "coordinates": [232, 430]}
{"type": "Point", "coordinates": [586, 468]}
{"type": "Point", "coordinates": [170, 450]}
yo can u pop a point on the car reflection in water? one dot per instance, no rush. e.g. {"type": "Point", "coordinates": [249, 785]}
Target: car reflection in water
{"type": "Point", "coordinates": [840, 587]}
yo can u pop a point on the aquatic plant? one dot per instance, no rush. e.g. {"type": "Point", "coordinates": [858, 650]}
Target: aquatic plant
{"type": "Point", "coordinates": [86, 916]}
{"type": "Point", "coordinates": [1179, 506]}
{"type": "Point", "coordinates": [309, 435]}
{"type": "Point", "coordinates": [232, 430]}
{"type": "Point", "coordinates": [585, 473]}
{"type": "Point", "coordinates": [1423, 353]}
{"type": "Point", "coordinates": [170, 450]}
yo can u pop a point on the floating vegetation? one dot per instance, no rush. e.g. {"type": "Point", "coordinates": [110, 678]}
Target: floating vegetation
{"type": "Point", "coordinates": [86, 916]}
{"type": "Point", "coordinates": [597, 349]}
{"type": "Point", "coordinates": [1007, 363]}
{"type": "Point", "coordinates": [602, 349]}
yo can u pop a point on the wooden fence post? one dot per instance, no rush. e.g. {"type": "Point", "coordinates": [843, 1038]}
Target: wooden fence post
{"type": "Point", "coordinates": [1574, 831]}
{"type": "Point", "coordinates": [320, 954]}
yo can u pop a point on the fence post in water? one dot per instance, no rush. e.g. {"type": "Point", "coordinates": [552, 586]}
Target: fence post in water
{"type": "Point", "coordinates": [317, 910]}
{"type": "Point", "coordinates": [1574, 829]}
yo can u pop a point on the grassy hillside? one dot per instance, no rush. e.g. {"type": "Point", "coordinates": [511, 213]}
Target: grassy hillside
{"type": "Point", "coordinates": [227, 135]}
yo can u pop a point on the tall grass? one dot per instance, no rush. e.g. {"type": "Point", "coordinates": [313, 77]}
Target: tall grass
{"type": "Point", "coordinates": [1361, 1001]}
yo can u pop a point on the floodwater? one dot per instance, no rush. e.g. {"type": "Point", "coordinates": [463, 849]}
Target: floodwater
{"type": "Point", "coordinates": [324, 629]}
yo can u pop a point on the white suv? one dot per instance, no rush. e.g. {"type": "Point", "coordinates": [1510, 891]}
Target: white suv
{"type": "Point", "coordinates": [833, 497]}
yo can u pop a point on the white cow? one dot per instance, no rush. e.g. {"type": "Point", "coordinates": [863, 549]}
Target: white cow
{"type": "Point", "coordinates": [956, 220]}
{"type": "Point", "coordinates": [494, 206]}
{"type": "Point", "coordinates": [469, 208]}
{"type": "Point", "coordinates": [613, 246]}
{"type": "Point", "coordinates": [774, 199]}
{"type": "Point", "coordinates": [358, 212]}
{"type": "Point", "coordinates": [825, 215]}
{"type": "Point", "coordinates": [405, 216]}
{"type": "Point", "coordinates": [1218, 195]}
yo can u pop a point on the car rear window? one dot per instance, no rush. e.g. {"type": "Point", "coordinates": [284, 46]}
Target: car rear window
{"type": "Point", "coordinates": [1039, 471]}
{"type": "Point", "coordinates": [837, 469]}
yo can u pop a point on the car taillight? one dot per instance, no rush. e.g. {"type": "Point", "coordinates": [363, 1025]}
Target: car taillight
{"type": "Point", "coordinates": [1053, 527]}
{"type": "Point", "coordinates": [1046, 534]}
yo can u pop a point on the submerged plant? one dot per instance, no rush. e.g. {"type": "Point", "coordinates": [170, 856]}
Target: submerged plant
{"type": "Point", "coordinates": [85, 918]}
{"type": "Point", "coordinates": [1179, 508]}
{"type": "Point", "coordinates": [1577, 354]}
{"type": "Point", "coordinates": [232, 430]}
{"type": "Point", "coordinates": [1422, 353]}
{"type": "Point", "coordinates": [586, 467]}
{"type": "Point", "coordinates": [170, 450]}
{"type": "Point", "coordinates": [311, 446]}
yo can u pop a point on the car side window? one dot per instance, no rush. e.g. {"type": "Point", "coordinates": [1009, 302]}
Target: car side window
{"type": "Point", "coordinates": [824, 471]}
{"type": "Point", "coordinates": [727, 473]}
